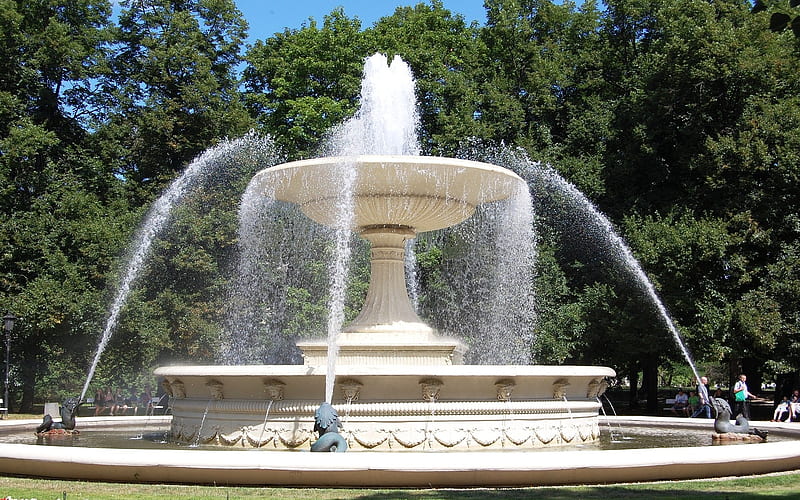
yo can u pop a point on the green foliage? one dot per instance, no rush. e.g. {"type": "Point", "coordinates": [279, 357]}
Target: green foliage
{"type": "Point", "coordinates": [300, 83]}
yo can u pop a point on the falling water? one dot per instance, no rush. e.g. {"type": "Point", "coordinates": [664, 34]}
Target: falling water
{"type": "Point", "coordinates": [614, 412]}
{"type": "Point", "coordinates": [208, 163]}
{"type": "Point", "coordinates": [410, 267]}
{"type": "Point", "coordinates": [510, 333]}
{"type": "Point", "coordinates": [202, 423]}
{"type": "Point", "coordinates": [533, 172]}
{"type": "Point", "coordinates": [264, 425]}
{"type": "Point", "coordinates": [386, 123]}
{"type": "Point", "coordinates": [490, 262]}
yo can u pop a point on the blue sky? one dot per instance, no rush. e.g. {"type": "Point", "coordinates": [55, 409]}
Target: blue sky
{"type": "Point", "coordinates": [267, 17]}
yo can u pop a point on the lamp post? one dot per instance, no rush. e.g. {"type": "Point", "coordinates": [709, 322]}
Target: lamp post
{"type": "Point", "coordinates": [8, 325]}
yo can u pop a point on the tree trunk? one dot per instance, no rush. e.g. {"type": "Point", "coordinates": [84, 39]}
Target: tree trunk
{"type": "Point", "coordinates": [650, 382]}
{"type": "Point", "coordinates": [633, 391]}
{"type": "Point", "coordinates": [752, 368]}
{"type": "Point", "coordinates": [28, 368]}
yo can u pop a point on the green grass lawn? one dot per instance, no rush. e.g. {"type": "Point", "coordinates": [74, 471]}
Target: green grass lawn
{"type": "Point", "coordinates": [784, 486]}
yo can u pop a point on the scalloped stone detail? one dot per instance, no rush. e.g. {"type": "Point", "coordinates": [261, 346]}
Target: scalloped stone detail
{"type": "Point", "coordinates": [450, 438]}
{"type": "Point", "coordinates": [258, 437]}
{"type": "Point", "coordinates": [231, 438]}
{"type": "Point", "coordinates": [546, 435]}
{"type": "Point", "coordinates": [410, 439]}
{"type": "Point", "coordinates": [568, 434]}
{"type": "Point", "coordinates": [517, 436]}
{"type": "Point", "coordinates": [485, 437]}
{"type": "Point", "coordinates": [292, 438]}
{"type": "Point", "coordinates": [371, 439]}
{"type": "Point", "coordinates": [209, 438]}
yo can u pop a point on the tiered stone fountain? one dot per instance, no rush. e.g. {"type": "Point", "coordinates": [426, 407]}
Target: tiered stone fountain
{"type": "Point", "coordinates": [400, 385]}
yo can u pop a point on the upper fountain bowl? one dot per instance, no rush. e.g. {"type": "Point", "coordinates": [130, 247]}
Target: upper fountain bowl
{"type": "Point", "coordinates": [420, 192]}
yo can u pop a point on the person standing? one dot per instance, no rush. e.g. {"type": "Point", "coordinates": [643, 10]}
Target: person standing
{"type": "Point", "coordinates": [741, 394]}
{"type": "Point", "coordinates": [705, 400]}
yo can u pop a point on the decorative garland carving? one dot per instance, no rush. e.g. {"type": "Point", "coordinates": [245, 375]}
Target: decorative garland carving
{"type": "Point", "coordinates": [546, 434]}
{"type": "Point", "coordinates": [450, 438]}
{"type": "Point", "coordinates": [410, 438]}
{"type": "Point", "coordinates": [293, 438]}
{"type": "Point", "coordinates": [371, 439]}
{"type": "Point", "coordinates": [517, 436]}
{"type": "Point", "coordinates": [486, 437]}
{"type": "Point", "coordinates": [258, 436]}
{"type": "Point", "coordinates": [232, 438]}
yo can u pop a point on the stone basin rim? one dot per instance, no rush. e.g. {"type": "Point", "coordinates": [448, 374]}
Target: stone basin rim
{"type": "Point", "coordinates": [414, 469]}
{"type": "Point", "coordinates": [499, 371]}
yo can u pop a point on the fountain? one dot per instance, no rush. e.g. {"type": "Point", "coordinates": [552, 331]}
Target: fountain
{"type": "Point", "coordinates": [390, 367]}
{"type": "Point", "coordinates": [399, 383]}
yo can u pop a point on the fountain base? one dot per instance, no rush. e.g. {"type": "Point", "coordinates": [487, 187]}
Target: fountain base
{"type": "Point", "coordinates": [391, 408]}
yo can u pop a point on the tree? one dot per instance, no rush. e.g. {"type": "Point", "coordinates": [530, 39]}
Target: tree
{"type": "Point", "coordinates": [300, 83]}
{"type": "Point", "coordinates": [171, 87]}
{"type": "Point", "coordinates": [442, 52]}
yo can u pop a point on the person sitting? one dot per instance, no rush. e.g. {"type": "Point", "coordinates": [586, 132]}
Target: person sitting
{"type": "Point", "coordinates": [783, 407]}
{"type": "Point", "coordinates": [146, 400]}
{"type": "Point", "coordinates": [681, 405]}
{"type": "Point", "coordinates": [794, 407]}
{"type": "Point", "coordinates": [694, 402]}
{"type": "Point", "coordinates": [118, 406]}
{"type": "Point", "coordinates": [100, 403]}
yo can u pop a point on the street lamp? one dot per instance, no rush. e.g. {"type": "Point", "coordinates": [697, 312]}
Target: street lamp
{"type": "Point", "coordinates": [8, 325]}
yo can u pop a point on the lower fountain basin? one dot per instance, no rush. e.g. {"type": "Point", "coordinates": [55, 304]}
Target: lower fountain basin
{"type": "Point", "coordinates": [415, 469]}
{"type": "Point", "coordinates": [392, 408]}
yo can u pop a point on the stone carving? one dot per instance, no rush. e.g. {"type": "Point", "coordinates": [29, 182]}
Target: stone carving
{"type": "Point", "coordinates": [215, 388]}
{"type": "Point", "coordinates": [597, 387]}
{"type": "Point", "coordinates": [232, 438]}
{"type": "Point", "coordinates": [410, 438]}
{"type": "Point", "coordinates": [546, 434]}
{"type": "Point", "coordinates": [505, 387]}
{"type": "Point", "coordinates": [485, 437]}
{"type": "Point", "coordinates": [370, 440]}
{"type": "Point", "coordinates": [350, 389]}
{"type": "Point", "coordinates": [430, 389]}
{"type": "Point", "coordinates": [293, 438]}
{"type": "Point", "coordinates": [448, 438]}
{"type": "Point", "coordinates": [257, 436]}
{"type": "Point", "coordinates": [560, 388]}
{"type": "Point", "coordinates": [274, 388]}
{"type": "Point", "coordinates": [517, 436]}
{"type": "Point", "coordinates": [178, 389]}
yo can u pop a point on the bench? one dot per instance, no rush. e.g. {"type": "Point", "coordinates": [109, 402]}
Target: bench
{"type": "Point", "coordinates": [3, 409]}
{"type": "Point", "coordinates": [159, 405]}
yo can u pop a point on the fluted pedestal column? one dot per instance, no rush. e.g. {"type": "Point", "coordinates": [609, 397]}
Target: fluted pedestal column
{"type": "Point", "coordinates": [388, 330]}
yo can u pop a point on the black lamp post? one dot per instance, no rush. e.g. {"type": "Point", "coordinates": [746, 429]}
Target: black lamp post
{"type": "Point", "coordinates": [8, 325]}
